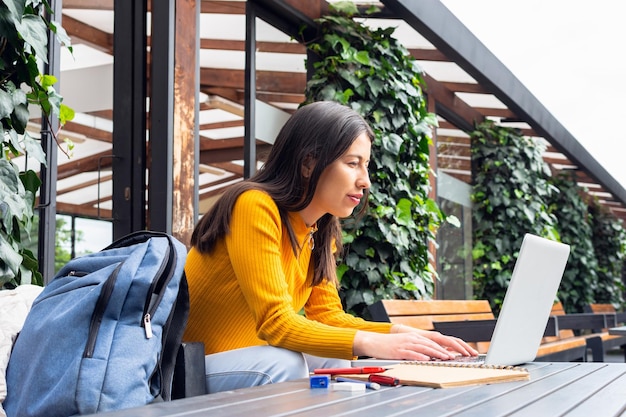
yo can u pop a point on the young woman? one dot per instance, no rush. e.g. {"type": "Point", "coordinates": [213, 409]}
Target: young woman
{"type": "Point", "coordinates": [267, 251]}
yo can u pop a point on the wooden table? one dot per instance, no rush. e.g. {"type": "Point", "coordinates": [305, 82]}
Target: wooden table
{"type": "Point", "coordinates": [559, 388]}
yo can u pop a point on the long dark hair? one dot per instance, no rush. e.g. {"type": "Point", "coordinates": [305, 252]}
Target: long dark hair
{"type": "Point", "coordinates": [317, 133]}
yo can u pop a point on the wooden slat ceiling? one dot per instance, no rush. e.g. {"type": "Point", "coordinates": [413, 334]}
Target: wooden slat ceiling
{"type": "Point", "coordinates": [84, 192]}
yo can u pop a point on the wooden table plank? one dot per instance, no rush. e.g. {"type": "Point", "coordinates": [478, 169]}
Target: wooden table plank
{"type": "Point", "coordinates": [609, 399]}
{"type": "Point", "coordinates": [300, 401]}
{"type": "Point", "coordinates": [571, 396]}
{"type": "Point", "coordinates": [522, 396]}
{"type": "Point", "coordinates": [405, 400]}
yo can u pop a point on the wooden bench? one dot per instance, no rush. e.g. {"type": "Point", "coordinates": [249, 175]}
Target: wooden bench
{"type": "Point", "coordinates": [608, 341]}
{"type": "Point", "coordinates": [474, 322]}
{"type": "Point", "coordinates": [591, 326]}
{"type": "Point", "coordinates": [552, 345]}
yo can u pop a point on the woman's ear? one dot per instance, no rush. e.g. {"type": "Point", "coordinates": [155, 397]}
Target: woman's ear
{"type": "Point", "coordinates": [307, 166]}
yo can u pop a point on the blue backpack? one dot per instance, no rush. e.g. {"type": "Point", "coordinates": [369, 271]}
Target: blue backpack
{"type": "Point", "coordinates": [104, 333]}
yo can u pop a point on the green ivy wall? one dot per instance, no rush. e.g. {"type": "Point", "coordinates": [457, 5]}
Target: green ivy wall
{"type": "Point", "coordinates": [387, 251]}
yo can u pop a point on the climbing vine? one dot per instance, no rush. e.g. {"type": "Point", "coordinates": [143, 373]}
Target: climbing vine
{"type": "Point", "coordinates": [369, 70]}
{"type": "Point", "coordinates": [24, 29]}
{"type": "Point", "coordinates": [511, 197]}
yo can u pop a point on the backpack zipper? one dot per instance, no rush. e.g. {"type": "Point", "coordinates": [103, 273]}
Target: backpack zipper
{"type": "Point", "coordinates": [96, 317]}
{"type": "Point", "coordinates": [147, 325]}
{"type": "Point", "coordinates": [157, 289]}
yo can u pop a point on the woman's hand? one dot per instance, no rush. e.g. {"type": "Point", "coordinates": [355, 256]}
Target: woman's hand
{"type": "Point", "coordinates": [410, 343]}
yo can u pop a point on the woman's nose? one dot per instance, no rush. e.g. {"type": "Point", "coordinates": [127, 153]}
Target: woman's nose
{"type": "Point", "coordinates": [364, 180]}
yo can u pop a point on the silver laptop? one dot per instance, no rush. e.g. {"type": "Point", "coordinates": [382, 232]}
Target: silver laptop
{"type": "Point", "coordinates": [526, 307]}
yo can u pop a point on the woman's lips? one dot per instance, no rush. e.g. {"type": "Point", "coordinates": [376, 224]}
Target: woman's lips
{"type": "Point", "coordinates": [356, 198]}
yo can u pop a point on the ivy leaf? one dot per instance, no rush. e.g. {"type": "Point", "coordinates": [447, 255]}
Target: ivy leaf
{"type": "Point", "coordinates": [16, 8]}
{"type": "Point", "coordinates": [47, 81]}
{"type": "Point", "coordinates": [54, 101]}
{"type": "Point", "coordinates": [10, 183]}
{"type": "Point", "coordinates": [341, 269]}
{"type": "Point", "coordinates": [34, 32]}
{"type": "Point", "coordinates": [61, 34]}
{"type": "Point", "coordinates": [372, 9]}
{"type": "Point", "coordinates": [5, 214]}
{"type": "Point", "coordinates": [10, 261]}
{"type": "Point", "coordinates": [362, 57]}
{"type": "Point", "coordinates": [335, 39]}
{"type": "Point", "coordinates": [431, 120]}
{"type": "Point", "coordinates": [20, 118]}
{"type": "Point", "coordinates": [403, 212]}
{"type": "Point", "coordinates": [345, 96]}
{"type": "Point", "coordinates": [66, 114]}
{"type": "Point", "coordinates": [453, 220]}
{"type": "Point", "coordinates": [392, 143]}
{"type": "Point", "coordinates": [30, 180]}
{"type": "Point", "coordinates": [12, 195]}
{"type": "Point", "coordinates": [329, 92]}
{"type": "Point", "coordinates": [350, 77]}
{"type": "Point", "coordinates": [26, 275]}
{"type": "Point", "coordinates": [6, 104]}
{"type": "Point", "coordinates": [346, 8]}
{"type": "Point", "coordinates": [19, 96]}
{"type": "Point", "coordinates": [14, 143]}
{"type": "Point", "coordinates": [33, 148]}
{"type": "Point", "coordinates": [376, 86]}
{"type": "Point", "coordinates": [7, 29]}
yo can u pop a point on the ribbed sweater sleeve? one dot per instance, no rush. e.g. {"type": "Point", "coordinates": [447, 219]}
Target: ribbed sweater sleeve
{"type": "Point", "coordinates": [266, 286]}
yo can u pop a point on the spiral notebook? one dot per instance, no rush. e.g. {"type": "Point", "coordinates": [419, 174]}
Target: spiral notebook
{"type": "Point", "coordinates": [448, 375]}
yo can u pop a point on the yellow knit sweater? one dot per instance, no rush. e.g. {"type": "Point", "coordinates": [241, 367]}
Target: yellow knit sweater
{"type": "Point", "coordinates": [250, 289]}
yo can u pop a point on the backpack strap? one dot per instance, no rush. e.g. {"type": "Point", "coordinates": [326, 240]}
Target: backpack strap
{"type": "Point", "coordinates": [137, 237]}
{"type": "Point", "coordinates": [173, 339]}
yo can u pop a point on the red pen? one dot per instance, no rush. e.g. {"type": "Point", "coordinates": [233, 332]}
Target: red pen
{"type": "Point", "coordinates": [384, 380]}
{"type": "Point", "coordinates": [343, 371]}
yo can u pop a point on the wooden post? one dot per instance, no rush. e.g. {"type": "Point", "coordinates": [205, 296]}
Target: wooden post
{"type": "Point", "coordinates": [185, 147]}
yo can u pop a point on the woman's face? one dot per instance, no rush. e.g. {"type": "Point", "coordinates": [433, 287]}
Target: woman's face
{"type": "Point", "coordinates": [340, 187]}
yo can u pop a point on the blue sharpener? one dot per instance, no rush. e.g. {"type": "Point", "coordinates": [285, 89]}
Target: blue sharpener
{"type": "Point", "coordinates": [320, 381]}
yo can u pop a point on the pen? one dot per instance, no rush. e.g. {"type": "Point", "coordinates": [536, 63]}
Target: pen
{"type": "Point", "coordinates": [370, 385]}
{"type": "Point", "coordinates": [384, 380]}
{"type": "Point", "coordinates": [361, 370]}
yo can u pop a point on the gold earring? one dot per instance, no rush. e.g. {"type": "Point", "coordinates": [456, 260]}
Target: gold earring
{"type": "Point", "coordinates": [311, 240]}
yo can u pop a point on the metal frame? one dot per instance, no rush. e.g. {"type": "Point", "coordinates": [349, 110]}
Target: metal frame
{"type": "Point", "coordinates": [249, 141]}
{"type": "Point", "coordinates": [129, 117]}
{"type": "Point", "coordinates": [48, 190]}
{"type": "Point", "coordinates": [441, 28]}
{"type": "Point", "coordinates": [160, 184]}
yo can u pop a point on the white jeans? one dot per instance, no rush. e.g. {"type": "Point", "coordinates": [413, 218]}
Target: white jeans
{"type": "Point", "coordinates": [260, 365]}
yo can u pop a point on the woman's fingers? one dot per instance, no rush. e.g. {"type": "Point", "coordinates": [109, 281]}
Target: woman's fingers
{"type": "Point", "coordinates": [459, 346]}
{"type": "Point", "coordinates": [426, 347]}
{"type": "Point", "coordinates": [412, 345]}
{"type": "Point", "coordinates": [451, 343]}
